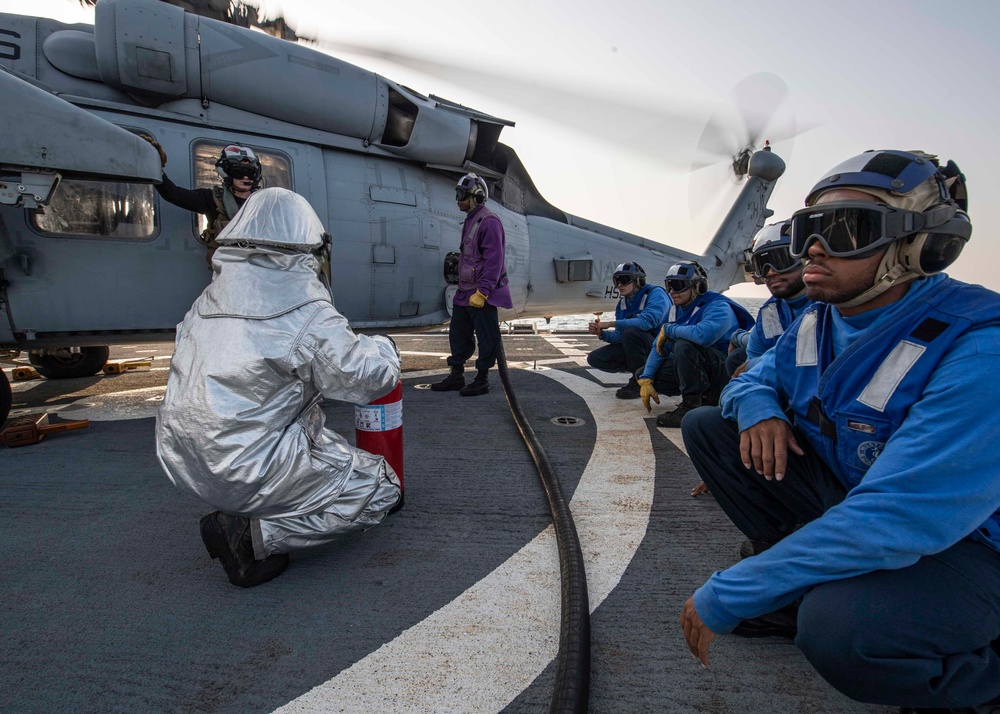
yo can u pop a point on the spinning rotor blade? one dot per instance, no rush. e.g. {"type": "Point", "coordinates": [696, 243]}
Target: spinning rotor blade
{"type": "Point", "coordinates": [758, 112]}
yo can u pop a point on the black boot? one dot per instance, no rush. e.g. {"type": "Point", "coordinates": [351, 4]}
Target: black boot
{"type": "Point", "coordinates": [780, 623]}
{"type": "Point", "coordinates": [749, 547]}
{"type": "Point", "coordinates": [630, 390]}
{"type": "Point", "coordinates": [228, 538]}
{"type": "Point", "coordinates": [452, 382]}
{"type": "Point", "coordinates": [479, 385]}
{"type": "Point", "coordinates": [672, 420]}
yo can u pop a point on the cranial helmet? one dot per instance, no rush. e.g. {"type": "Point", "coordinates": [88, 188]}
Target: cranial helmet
{"type": "Point", "coordinates": [771, 249]}
{"type": "Point", "coordinates": [629, 272]}
{"type": "Point", "coordinates": [921, 217]}
{"type": "Point", "coordinates": [689, 273]}
{"type": "Point", "coordinates": [236, 162]}
{"type": "Point", "coordinates": [471, 185]}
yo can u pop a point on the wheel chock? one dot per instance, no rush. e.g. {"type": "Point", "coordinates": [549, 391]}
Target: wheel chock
{"type": "Point", "coordinates": [117, 366]}
{"type": "Point", "coordinates": [24, 373]}
{"type": "Point", "coordinates": [32, 428]}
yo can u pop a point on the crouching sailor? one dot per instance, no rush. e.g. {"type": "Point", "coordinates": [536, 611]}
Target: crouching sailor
{"type": "Point", "coordinates": [240, 425]}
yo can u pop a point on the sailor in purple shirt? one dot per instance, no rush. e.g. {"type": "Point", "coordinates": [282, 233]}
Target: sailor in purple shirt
{"type": "Point", "coordinates": [482, 288]}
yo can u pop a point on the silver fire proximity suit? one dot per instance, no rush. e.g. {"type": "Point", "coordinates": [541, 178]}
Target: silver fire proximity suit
{"type": "Point", "coordinates": [240, 425]}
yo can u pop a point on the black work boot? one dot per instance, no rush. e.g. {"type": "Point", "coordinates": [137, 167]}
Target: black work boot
{"type": "Point", "coordinates": [630, 390]}
{"type": "Point", "coordinates": [228, 538]}
{"type": "Point", "coordinates": [452, 382]}
{"type": "Point", "coordinates": [479, 385]}
{"type": "Point", "coordinates": [783, 622]}
{"type": "Point", "coordinates": [672, 420]}
{"type": "Point", "coordinates": [750, 547]}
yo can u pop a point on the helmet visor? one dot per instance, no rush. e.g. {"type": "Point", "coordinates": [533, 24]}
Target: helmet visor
{"type": "Point", "coordinates": [242, 171]}
{"type": "Point", "coordinates": [851, 229]}
{"type": "Point", "coordinates": [778, 259]}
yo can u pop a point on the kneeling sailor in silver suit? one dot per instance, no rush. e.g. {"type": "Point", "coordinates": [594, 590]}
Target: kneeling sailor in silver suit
{"type": "Point", "coordinates": [240, 425]}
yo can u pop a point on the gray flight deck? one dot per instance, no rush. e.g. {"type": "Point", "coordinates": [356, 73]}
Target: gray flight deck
{"type": "Point", "coordinates": [111, 604]}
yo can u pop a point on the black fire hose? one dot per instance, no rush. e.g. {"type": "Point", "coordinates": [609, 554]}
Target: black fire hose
{"type": "Point", "coordinates": [572, 689]}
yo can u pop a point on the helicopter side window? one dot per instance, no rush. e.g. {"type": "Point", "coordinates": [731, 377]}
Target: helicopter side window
{"type": "Point", "coordinates": [276, 169]}
{"type": "Point", "coordinates": [98, 208]}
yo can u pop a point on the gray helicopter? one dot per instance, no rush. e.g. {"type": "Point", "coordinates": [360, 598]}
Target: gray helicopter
{"type": "Point", "coordinates": [90, 256]}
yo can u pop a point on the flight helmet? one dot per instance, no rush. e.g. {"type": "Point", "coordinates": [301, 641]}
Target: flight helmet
{"type": "Point", "coordinates": [471, 185]}
{"type": "Point", "coordinates": [687, 274]}
{"type": "Point", "coordinates": [770, 251]}
{"type": "Point", "coordinates": [629, 272]}
{"type": "Point", "coordinates": [237, 162]}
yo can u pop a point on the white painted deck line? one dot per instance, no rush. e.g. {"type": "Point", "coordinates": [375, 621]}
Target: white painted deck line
{"type": "Point", "coordinates": [481, 650]}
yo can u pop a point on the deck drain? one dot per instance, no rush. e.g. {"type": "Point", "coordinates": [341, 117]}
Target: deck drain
{"type": "Point", "coordinates": [567, 421]}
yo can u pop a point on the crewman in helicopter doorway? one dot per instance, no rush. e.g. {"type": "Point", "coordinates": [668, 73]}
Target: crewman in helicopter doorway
{"type": "Point", "coordinates": [240, 426]}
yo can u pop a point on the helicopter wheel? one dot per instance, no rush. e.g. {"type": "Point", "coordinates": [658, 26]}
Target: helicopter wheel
{"type": "Point", "coordinates": [69, 365]}
{"type": "Point", "coordinates": [6, 397]}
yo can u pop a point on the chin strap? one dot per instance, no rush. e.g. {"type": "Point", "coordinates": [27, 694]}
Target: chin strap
{"type": "Point", "coordinates": [893, 273]}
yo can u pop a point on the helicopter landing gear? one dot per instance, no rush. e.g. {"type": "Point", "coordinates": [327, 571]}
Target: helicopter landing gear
{"type": "Point", "coordinates": [64, 363]}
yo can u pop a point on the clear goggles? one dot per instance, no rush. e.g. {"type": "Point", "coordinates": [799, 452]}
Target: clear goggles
{"type": "Point", "coordinates": [677, 285]}
{"type": "Point", "coordinates": [777, 259]}
{"type": "Point", "coordinates": [851, 229]}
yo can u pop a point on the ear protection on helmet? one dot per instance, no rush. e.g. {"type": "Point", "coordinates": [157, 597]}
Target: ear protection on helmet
{"type": "Point", "coordinates": [929, 253]}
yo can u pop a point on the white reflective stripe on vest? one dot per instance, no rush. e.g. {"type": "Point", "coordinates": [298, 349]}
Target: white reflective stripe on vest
{"type": "Point", "coordinates": [890, 373]}
{"type": "Point", "coordinates": [806, 349]}
{"type": "Point", "coordinates": [771, 322]}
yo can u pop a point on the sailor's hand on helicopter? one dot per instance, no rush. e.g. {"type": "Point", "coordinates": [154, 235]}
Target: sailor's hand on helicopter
{"type": "Point", "coordinates": [662, 340]}
{"type": "Point", "coordinates": [764, 447]}
{"type": "Point", "coordinates": [159, 149]}
{"type": "Point", "coordinates": [647, 392]}
{"type": "Point", "coordinates": [696, 632]}
{"type": "Point", "coordinates": [477, 299]}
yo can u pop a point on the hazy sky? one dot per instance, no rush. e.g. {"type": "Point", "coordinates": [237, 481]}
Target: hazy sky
{"type": "Point", "coordinates": [861, 75]}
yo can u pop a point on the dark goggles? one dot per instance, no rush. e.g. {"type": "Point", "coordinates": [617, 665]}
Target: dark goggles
{"type": "Point", "coordinates": [778, 259]}
{"type": "Point", "coordinates": [623, 279]}
{"type": "Point", "coordinates": [851, 229]}
{"type": "Point", "coordinates": [461, 194]}
{"type": "Point", "coordinates": [676, 285]}
{"type": "Point", "coordinates": [242, 172]}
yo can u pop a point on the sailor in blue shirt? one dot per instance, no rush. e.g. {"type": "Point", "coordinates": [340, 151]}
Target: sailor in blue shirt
{"type": "Point", "coordinates": [690, 354]}
{"type": "Point", "coordinates": [862, 449]}
{"type": "Point", "coordinates": [638, 315]}
{"type": "Point", "coordinates": [773, 265]}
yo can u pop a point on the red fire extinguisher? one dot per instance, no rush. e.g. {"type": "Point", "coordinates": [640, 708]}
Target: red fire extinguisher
{"type": "Point", "coordinates": [379, 428]}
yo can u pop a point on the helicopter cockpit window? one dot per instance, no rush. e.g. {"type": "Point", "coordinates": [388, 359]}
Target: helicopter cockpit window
{"type": "Point", "coordinates": [276, 168]}
{"type": "Point", "coordinates": [98, 208]}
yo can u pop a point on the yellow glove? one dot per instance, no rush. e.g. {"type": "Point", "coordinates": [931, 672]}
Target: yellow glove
{"type": "Point", "coordinates": [647, 392]}
{"type": "Point", "coordinates": [159, 149]}
{"type": "Point", "coordinates": [477, 299]}
{"type": "Point", "coordinates": [660, 341]}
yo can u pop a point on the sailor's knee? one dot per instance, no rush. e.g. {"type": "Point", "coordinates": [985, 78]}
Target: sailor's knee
{"type": "Point", "coordinates": [837, 644]}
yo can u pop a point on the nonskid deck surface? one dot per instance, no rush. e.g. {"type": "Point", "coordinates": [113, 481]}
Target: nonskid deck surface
{"type": "Point", "coordinates": [451, 605]}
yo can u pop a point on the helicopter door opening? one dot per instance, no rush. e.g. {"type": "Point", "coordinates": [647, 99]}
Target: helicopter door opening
{"type": "Point", "coordinates": [276, 169]}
